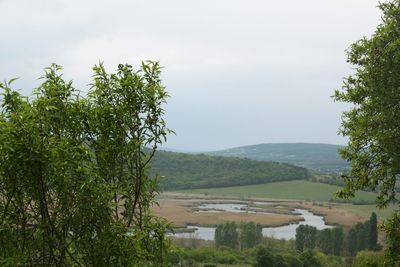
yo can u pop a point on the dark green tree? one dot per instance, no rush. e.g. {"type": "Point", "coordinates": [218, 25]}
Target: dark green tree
{"type": "Point", "coordinates": [227, 235]}
{"type": "Point", "coordinates": [373, 232]}
{"type": "Point", "coordinates": [337, 239]}
{"type": "Point", "coordinates": [74, 186]}
{"type": "Point", "coordinates": [309, 259]}
{"type": "Point", "coordinates": [373, 123]}
{"type": "Point", "coordinates": [306, 237]}
{"type": "Point", "coordinates": [300, 236]}
{"type": "Point", "coordinates": [352, 242]}
{"type": "Point", "coordinates": [325, 243]}
{"type": "Point", "coordinates": [362, 237]}
{"type": "Point", "coordinates": [265, 258]}
{"type": "Point", "coordinates": [250, 234]}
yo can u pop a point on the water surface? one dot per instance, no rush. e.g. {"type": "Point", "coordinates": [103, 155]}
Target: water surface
{"type": "Point", "coordinates": [280, 232]}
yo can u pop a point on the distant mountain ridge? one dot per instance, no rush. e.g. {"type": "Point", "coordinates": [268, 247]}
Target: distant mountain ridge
{"type": "Point", "coordinates": [319, 157]}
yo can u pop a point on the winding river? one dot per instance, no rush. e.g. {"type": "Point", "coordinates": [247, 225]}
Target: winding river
{"type": "Point", "coordinates": [279, 232]}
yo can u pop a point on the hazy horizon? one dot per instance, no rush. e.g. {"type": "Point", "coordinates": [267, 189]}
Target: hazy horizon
{"type": "Point", "coordinates": [238, 72]}
{"type": "Point", "coordinates": [172, 149]}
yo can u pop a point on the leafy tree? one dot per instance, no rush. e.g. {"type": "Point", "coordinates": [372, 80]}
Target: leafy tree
{"type": "Point", "coordinates": [362, 235]}
{"type": "Point", "coordinates": [392, 226]}
{"type": "Point", "coordinates": [373, 124]}
{"type": "Point", "coordinates": [369, 259]}
{"type": "Point", "coordinates": [330, 241]}
{"type": "Point", "coordinates": [352, 241]}
{"type": "Point", "coordinates": [250, 234]}
{"type": "Point", "coordinates": [74, 184]}
{"type": "Point", "coordinates": [337, 238]}
{"type": "Point", "coordinates": [264, 258]}
{"type": "Point", "coordinates": [245, 235]}
{"type": "Point", "coordinates": [325, 241]}
{"type": "Point", "coordinates": [373, 232]}
{"type": "Point", "coordinates": [306, 237]}
{"type": "Point", "coordinates": [309, 259]}
{"type": "Point", "coordinates": [300, 236]}
{"type": "Point", "coordinates": [226, 234]}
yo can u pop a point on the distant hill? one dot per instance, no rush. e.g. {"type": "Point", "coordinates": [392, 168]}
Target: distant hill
{"type": "Point", "coordinates": [319, 157]}
{"type": "Point", "coordinates": [189, 171]}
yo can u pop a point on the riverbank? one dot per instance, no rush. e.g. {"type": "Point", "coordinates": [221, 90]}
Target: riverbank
{"type": "Point", "coordinates": [182, 213]}
{"type": "Point", "coordinates": [344, 214]}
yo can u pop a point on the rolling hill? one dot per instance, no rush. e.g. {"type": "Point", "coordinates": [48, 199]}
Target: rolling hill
{"type": "Point", "coordinates": [319, 157]}
{"type": "Point", "coordinates": [189, 171]}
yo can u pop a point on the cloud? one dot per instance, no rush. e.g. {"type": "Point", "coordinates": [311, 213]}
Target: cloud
{"type": "Point", "coordinates": [268, 66]}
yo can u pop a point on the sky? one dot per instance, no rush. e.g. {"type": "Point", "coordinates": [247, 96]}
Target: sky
{"type": "Point", "coordinates": [238, 72]}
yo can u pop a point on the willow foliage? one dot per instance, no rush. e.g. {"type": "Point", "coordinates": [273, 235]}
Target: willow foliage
{"type": "Point", "coordinates": [74, 183]}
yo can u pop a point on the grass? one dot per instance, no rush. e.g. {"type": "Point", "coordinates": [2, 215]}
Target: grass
{"type": "Point", "coordinates": [366, 210]}
{"type": "Point", "coordinates": [299, 190]}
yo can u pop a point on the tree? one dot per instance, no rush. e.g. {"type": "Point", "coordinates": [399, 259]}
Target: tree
{"type": "Point", "coordinates": [362, 235]}
{"type": "Point", "coordinates": [337, 237]}
{"type": "Point", "coordinates": [373, 123]}
{"type": "Point", "coordinates": [330, 240]}
{"type": "Point", "coordinates": [325, 241]}
{"type": "Point", "coordinates": [352, 242]}
{"type": "Point", "coordinates": [226, 234]}
{"type": "Point", "coordinates": [74, 188]}
{"type": "Point", "coordinates": [373, 232]}
{"type": "Point", "coordinates": [264, 258]}
{"type": "Point", "coordinates": [309, 259]}
{"type": "Point", "coordinates": [306, 237]}
{"type": "Point", "coordinates": [250, 234]}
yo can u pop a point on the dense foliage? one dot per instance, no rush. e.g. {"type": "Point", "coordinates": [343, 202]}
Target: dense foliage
{"type": "Point", "coordinates": [333, 241]}
{"type": "Point", "coordinates": [328, 247]}
{"type": "Point", "coordinates": [243, 236]}
{"type": "Point", "coordinates": [188, 171]}
{"type": "Point", "coordinates": [363, 236]}
{"type": "Point", "coordinates": [306, 237]}
{"type": "Point", "coordinates": [74, 186]}
{"type": "Point", "coordinates": [261, 255]}
{"type": "Point", "coordinates": [373, 123]}
{"type": "Point", "coordinates": [226, 235]}
{"type": "Point", "coordinates": [319, 157]}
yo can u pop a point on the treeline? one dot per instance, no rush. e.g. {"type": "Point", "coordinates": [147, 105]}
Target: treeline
{"type": "Point", "coordinates": [329, 241]}
{"type": "Point", "coordinates": [189, 171]}
{"type": "Point", "coordinates": [327, 178]}
{"type": "Point", "coordinates": [243, 245]}
{"type": "Point", "coordinates": [362, 236]}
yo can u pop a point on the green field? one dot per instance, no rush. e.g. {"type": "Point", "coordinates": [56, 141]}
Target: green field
{"type": "Point", "coordinates": [300, 190]}
{"type": "Point", "coordinates": [365, 210]}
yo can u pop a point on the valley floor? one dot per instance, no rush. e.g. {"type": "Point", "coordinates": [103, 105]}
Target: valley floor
{"type": "Point", "coordinates": [179, 207]}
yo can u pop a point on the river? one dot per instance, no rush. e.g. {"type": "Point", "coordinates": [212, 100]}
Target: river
{"type": "Point", "coordinates": [280, 232]}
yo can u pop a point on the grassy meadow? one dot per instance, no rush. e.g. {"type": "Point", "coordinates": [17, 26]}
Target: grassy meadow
{"type": "Point", "coordinates": [297, 190]}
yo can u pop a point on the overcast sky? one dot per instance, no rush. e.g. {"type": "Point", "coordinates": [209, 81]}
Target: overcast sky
{"type": "Point", "coordinates": [238, 72]}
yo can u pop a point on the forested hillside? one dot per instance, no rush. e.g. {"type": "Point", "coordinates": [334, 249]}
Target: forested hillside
{"type": "Point", "coordinates": [321, 157]}
{"type": "Point", "coordinates": [186, 171]}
